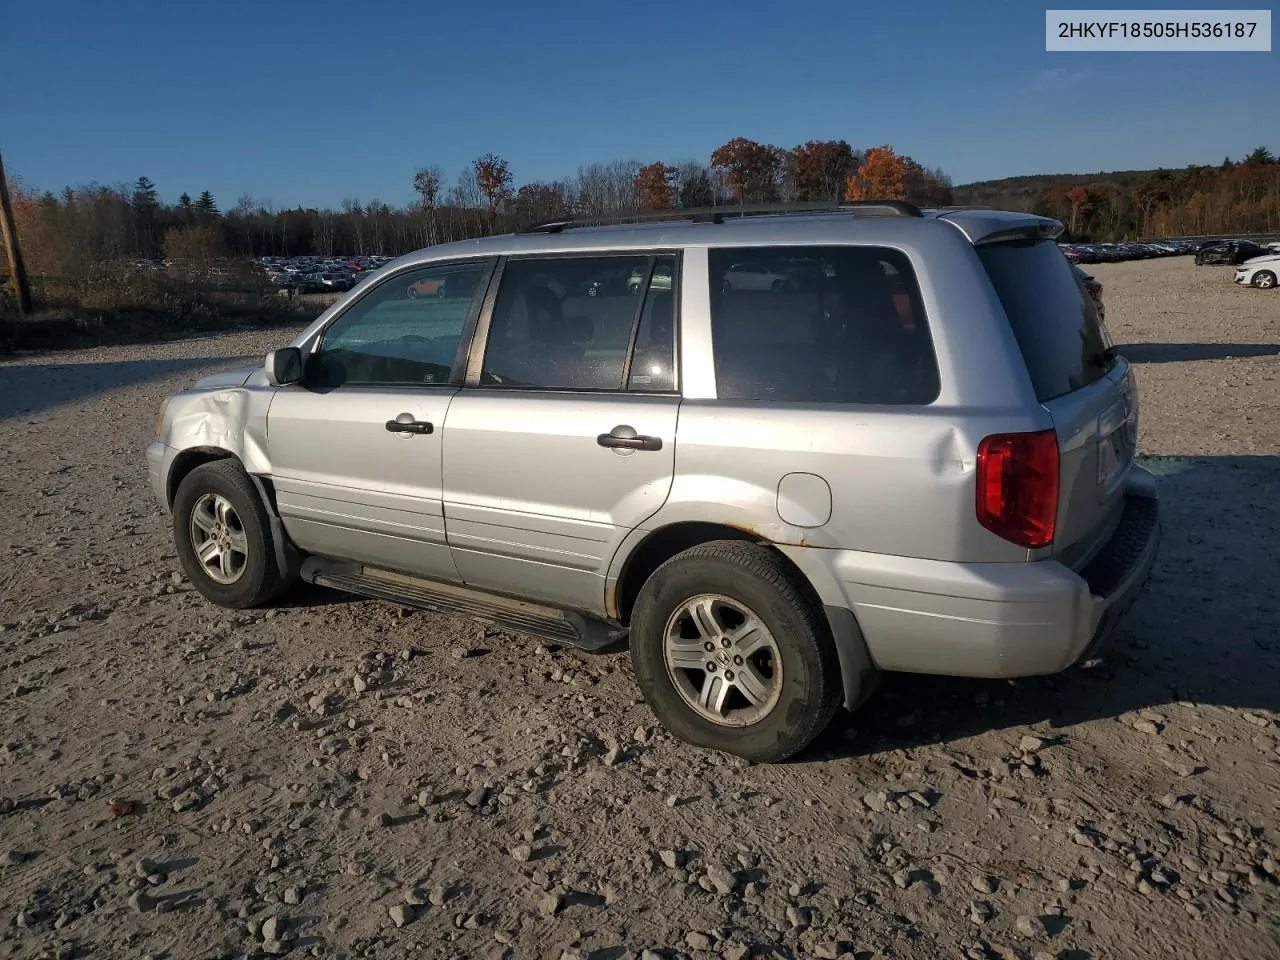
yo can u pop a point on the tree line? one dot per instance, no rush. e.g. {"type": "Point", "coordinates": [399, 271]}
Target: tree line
{"type": "Point", "coordinates": [63, 234]}
{"type": "Point", "coordinates": [70, 234]}
{"type": "Point", "coordinates": [1237, 196]}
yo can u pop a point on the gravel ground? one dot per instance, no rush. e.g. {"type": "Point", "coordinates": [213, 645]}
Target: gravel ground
{"type": "Point", "coordinates": [345, 778]}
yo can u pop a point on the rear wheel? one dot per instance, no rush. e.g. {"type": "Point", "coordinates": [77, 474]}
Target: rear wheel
{"type": "Point", "coordinates": [1264, 279]}
{"type": "Point", "coordinates": [732, 654]}
{"type": "Point", "coordinates": [223, 536]}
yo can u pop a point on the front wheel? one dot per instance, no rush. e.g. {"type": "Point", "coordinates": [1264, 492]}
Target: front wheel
{"type": "Point", "coordinates": [732, 654]}
{"type": "Point", "coordinates": [223, 536]}
{"type": "Point", "coordinates": [1264, 279]}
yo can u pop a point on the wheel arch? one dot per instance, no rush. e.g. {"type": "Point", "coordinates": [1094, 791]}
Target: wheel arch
{"type": "Point", "coordinates": [859, 674]}
{"type": "Point", "coordinates": [287, 556]}
{"type": "Point", "coordinates": [657, 548]}
{"type": "Point", "coordinates": [186, 461]}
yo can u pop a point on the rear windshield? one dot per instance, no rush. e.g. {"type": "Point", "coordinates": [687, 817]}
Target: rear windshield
{"type": "Point", "coordinates": [1054, 320]}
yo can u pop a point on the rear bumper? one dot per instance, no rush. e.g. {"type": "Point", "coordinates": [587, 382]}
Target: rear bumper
{"type": "Point", "coordinates": [994, 619]}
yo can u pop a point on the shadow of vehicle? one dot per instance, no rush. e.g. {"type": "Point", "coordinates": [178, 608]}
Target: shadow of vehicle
{"type": "Point", "coordinates": [1206, 631]}
{"type": "Point", "coordinates": [28, 388]}
{"type": "Point", "coordinates": [1187, 352]}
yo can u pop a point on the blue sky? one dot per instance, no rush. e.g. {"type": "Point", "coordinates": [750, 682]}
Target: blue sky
{"type": "Point", "coordinates": [311, 102]}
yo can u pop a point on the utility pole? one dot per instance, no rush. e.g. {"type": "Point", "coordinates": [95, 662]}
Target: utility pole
{"type": "Point", "coordinates": [10, 235]}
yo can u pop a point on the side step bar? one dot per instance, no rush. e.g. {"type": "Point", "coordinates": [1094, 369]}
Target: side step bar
{"type": "Point", "coordinates": [567, 627]}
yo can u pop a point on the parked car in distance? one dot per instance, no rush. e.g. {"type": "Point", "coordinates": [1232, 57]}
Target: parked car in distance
{"type": "Point", "coordinates": [1260, 272]}
{"type": "Point", "coordinates": [424, 288]}
{"type": "Point", "coordinates": [754, 276]}
{"type": "Point", "coordinates": [1230, 252]}
{"type": "Point", "coordinates": [337, 281]}
{"type": "Point", "coordinates": [661, 279]}
{"type": "Point", "coordinates": [543, 449]}
{"type": "Point", "coordinates": [308, 283]}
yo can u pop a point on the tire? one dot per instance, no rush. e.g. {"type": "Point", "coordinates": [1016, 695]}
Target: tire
{"type": "Point", "coordinates": [729, 580]}
{"type": "Point", "coordinates": [248, 582]}
{"type": "Point", "coordinates": [1264, 279]}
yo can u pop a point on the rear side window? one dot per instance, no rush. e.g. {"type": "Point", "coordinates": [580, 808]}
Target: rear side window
{"type": "Point", "coordinates": [573, 323]}
{"type": "Point", "coordinates": [1054, 321]}
{"type": "Point", "coordinates": [819, 325]}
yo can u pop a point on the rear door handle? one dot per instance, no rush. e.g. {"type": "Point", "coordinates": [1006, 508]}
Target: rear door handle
{"type": "Point", "coordinates": [410, 426]}
{"type": "Point", "coordinates": [624, 437]}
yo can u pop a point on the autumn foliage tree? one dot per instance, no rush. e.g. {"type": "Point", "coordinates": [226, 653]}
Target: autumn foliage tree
{"type": "Point", "coordinates": [493, 177]}
{"type": "Point", "coordinates": [655, 186]}
{"type": "Point", "coordinates": [751, 169]}
{"type": "Point", "coordinates": [819, 169]}
{"type": "Point", "coordinates": [882, 176]}
{"type": "Point", "coordinates": [1080, 203]}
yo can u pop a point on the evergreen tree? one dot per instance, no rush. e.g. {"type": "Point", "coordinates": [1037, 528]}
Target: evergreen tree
{"type": "Point", "coordinates": [145, 199]}
{"type": "Point", "coordinates": [145, 203]}
{"type": "Point", "coordinates": [206, 206]}
{"type": "Point", "coordinates": [1260, 157]}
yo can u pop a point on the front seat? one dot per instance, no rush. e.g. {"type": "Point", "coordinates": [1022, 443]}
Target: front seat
{"type": "Point", "coordinates": [545, 356]}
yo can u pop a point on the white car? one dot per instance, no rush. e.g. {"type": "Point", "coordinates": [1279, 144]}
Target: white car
{"type": "Point", "coordinates": [1260, 272]}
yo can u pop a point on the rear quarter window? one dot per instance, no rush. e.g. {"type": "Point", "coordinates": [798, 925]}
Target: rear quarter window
{"type": "Point", "coordinates": [1062, 341]}
{"type": "Point", "coordinates": [832, 324]}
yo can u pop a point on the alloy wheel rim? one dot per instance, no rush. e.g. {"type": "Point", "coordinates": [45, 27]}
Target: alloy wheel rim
{"type": "Point", "coordinates": [218, 538]}
{"type": "Point", "coordinates": [723, 660]}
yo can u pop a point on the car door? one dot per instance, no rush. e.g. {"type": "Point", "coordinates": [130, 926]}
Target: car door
{"type": "Point", "coordinates": [563, 439]}
{"type": "Point", "coordinates": [355, 447]}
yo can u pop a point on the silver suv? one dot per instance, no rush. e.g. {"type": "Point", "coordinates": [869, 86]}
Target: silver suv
{"type": "Point", "coordinates": [912, 449]}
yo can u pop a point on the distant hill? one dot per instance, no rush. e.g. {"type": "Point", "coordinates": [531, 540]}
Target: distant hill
{"type": "Point", "coordinates": [1024, 193]}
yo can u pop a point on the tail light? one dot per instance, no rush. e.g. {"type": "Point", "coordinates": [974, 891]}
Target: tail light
{"type": "Point", "coordinates": [1018, 487]}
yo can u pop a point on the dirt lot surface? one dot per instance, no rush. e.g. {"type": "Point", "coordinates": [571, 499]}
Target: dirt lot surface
{"type": "Point", "coordinates": [344, 778]}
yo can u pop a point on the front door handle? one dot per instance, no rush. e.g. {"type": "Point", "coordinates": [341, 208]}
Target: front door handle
{"type": "Point", "coordinates": [623, 437]}
{"type": "Point", "coordinates": [406, 424]}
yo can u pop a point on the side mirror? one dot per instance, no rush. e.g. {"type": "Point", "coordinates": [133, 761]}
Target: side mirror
{"type": "Point", "coordinates": [284, 366]}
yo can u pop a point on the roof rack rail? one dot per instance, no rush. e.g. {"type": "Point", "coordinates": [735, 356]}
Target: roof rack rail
{"type": "Point", "coordinates": [893, 208]}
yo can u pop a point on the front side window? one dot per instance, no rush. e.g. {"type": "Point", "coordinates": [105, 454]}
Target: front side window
{"type": "Point", "coordinates": [819, 325]}
{"type": "Point", "coordinates": [403, 332]}
{"type": "Point", "coordinates": [570, 323]}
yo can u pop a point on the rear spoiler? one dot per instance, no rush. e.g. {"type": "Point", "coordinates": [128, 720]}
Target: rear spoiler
{"type": "Point", "coordinates": [983, 227]}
